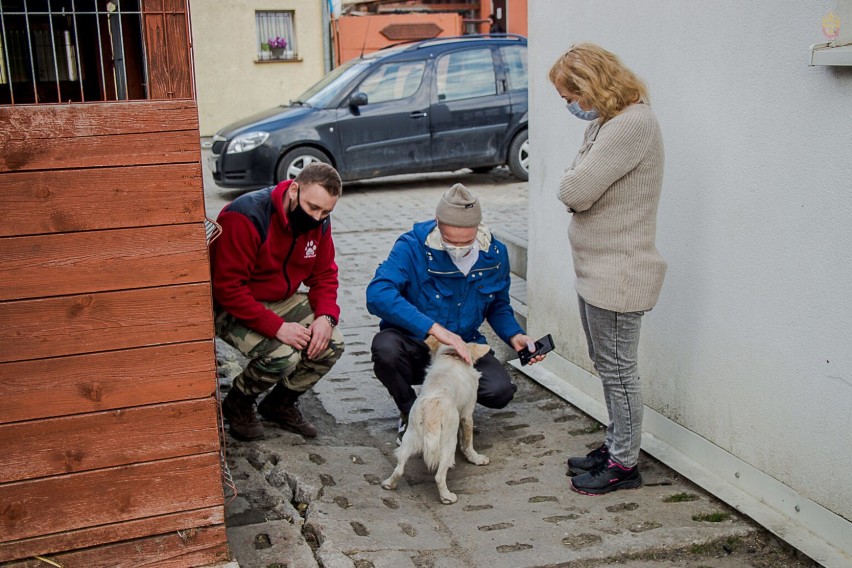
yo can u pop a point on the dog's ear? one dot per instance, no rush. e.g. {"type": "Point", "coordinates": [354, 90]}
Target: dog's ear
{"type": "Point", "coordinates": [432, 343]}
{"type": "Point", "coordinates": [478, 351]}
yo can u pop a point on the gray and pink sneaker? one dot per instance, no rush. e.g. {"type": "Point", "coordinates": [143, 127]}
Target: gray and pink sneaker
{"type": "Point", "coordinates": [593, 460]}
{"type": "Point", "coordinates": [606, 478]}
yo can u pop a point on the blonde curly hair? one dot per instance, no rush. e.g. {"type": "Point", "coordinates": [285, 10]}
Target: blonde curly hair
{"type": "Point", "coordinates": [599, 77]}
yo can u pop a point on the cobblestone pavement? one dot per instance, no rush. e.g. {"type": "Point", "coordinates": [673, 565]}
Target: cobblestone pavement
{"type": "Point", "coordinates": [318, 503]}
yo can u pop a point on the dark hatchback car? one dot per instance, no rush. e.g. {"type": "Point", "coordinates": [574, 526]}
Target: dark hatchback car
{"type": "Point", "coordinates": [434, 105]}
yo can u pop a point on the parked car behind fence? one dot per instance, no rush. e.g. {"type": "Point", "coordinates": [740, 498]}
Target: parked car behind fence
{"type": "Point", "coordinates": [434, 105]}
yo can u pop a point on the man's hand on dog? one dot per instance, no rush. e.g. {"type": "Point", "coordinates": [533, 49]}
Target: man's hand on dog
{"type": "Point", "coordinates": [447, 337]}
{"type": "Point", "coordinates": [521, 342]}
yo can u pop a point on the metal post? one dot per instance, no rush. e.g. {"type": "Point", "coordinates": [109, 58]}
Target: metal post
{"type": "Point", "coordinates": [5, 55]}
{"type": "Point", "coordinates": [53, 52]}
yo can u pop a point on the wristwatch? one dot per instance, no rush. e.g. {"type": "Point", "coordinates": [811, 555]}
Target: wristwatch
{"type": "Point", "coordinates": [331, 321]}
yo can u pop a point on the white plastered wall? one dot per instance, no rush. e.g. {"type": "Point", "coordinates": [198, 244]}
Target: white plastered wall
{"type": "Point", "coordinates": [748, 355]}
{"type": "Point", "coordinates": [230, 83]}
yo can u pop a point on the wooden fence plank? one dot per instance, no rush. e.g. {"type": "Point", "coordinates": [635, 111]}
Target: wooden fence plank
{"type": "Point", "coordinates": [180, 65]}
{"type": "Point", "coordinates": [67, 502]}
{"type": "Point", "coordinates": [97, 261]}
{"type": "Point", "coordinates": [98, 151]}
{"type": "Point", "coordinates": [40, 448]}
{"type": "Point", "coordinates": [67, 325]}
{"type": "Point", "coordinates": [105, 381]}
{"type": "Point", "coordinates": [94, 536]}
{"type": "Point", "coordinates": [202, 547]}
{"type": "Point", "coordinates": [60, 201]}
{"type": "Point", "coordinates": [47, 122]}
{"type": "Point", "coordinates": [169, 67]}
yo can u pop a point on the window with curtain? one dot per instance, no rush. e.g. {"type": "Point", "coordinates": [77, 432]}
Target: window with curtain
{"type": "Point", "coordinates": [276, 37]}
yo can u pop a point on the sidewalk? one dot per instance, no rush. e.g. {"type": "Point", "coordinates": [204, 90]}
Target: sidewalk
{"type": "Point", "coordinates": [305, 504]}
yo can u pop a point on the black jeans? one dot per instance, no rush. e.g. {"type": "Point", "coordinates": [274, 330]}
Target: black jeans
{"type": "Point", "coordinates": [400, 361]}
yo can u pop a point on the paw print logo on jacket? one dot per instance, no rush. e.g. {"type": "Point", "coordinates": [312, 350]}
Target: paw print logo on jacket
{"type": "Point", "coordinates": [311, 249]}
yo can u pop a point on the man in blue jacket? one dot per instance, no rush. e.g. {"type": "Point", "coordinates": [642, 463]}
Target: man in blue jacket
{"type": "Point", "coordinates": [443, 278]}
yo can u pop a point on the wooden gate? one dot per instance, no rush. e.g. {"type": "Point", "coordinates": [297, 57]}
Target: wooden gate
{"type": "Point", "coordinates": [109, 438]}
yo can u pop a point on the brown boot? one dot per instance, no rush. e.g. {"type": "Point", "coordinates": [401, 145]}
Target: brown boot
{"type": "Point", "coordinates": [280, 406]}
{"type": "Point", "coordinates": [238, 410]}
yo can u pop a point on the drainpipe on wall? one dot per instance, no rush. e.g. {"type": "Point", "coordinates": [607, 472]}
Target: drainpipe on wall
{"type": "Point", "coordinates": [327, 10]}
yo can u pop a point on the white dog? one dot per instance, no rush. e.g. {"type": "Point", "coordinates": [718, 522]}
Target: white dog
{"type": "Point", "coordinates": [446, 401]}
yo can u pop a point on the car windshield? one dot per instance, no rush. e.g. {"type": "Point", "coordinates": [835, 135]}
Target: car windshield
{"type": "Point", "coordinates": [329, 86]}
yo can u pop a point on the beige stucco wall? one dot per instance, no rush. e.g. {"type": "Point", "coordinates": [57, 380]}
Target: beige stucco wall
{"type": "Point", "coordinates": [230, 83]}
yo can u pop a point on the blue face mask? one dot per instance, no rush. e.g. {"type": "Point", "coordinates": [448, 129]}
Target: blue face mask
{"type": "Point", "coordinates": [574, 108]}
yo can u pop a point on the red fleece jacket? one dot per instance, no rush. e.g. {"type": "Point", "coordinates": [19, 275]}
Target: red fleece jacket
{"type": "Point", "coordinates": [258, 258]}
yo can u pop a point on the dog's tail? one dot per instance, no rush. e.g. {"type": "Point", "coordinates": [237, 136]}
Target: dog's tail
{"type": "Point", "coordinates": [440, 431]}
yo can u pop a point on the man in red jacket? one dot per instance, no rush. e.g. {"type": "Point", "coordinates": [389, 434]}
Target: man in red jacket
{"type": "Point", "coordinates": [274, 240]}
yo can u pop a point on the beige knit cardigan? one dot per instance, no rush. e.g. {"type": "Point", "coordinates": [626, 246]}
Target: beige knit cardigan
{"type": "Point", "coordinates": [613, 191]}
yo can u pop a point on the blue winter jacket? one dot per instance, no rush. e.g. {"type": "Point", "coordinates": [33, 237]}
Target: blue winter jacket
{"type": "Point", "coordinates": [418, 285]}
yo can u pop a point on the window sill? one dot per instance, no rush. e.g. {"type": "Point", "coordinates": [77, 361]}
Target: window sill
{"type": "Point", "coordinates": [292, 60]}
{"type": "Point", "coordinates": [824, 54]}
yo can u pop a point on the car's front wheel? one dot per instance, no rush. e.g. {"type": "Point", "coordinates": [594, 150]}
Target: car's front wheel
{"type": "Point", "coordinates": [519, 156]}
{"type": "Point", "coordinates": [296, 160]}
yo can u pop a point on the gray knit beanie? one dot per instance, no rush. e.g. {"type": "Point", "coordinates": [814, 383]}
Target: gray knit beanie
{"type": "Point", "coordinates": [459, 207]}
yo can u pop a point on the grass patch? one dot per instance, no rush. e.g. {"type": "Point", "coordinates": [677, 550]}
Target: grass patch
{"type": "Point", "coordinates": [712, 517]}
{"type": "Point", "coordinates": [732, 542]}
{"type": "Point", "coordinates": [701, 548]}
{"type": "Point", "coordinates": [680, 498]}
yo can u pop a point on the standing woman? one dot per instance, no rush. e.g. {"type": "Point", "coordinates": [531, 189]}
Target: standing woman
{"type": "Point", "coordinates": [612, 191]}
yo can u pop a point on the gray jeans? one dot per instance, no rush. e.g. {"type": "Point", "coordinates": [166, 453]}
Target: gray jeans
{"type": "Point", "coordinates": [613, 340]}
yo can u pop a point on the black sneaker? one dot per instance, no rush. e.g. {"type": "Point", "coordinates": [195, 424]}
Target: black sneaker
{"type": "Point", "coordinates": [593, 460]}
{"type": "Point", "coordinates": [607, 478]}
{"type": "Point", "coordinates": [401, 427]}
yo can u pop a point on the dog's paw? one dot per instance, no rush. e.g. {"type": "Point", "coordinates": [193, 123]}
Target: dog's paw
{"type": "Point", "coordinates": [389, 484]}
{"type": "Point", "coordinates": [449, 498]}
{"type": "Point", "coordinates": [479, 459]}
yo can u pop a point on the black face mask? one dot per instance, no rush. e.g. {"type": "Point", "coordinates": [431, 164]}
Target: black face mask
{"type": "Point", "coordinates": [300, 221]}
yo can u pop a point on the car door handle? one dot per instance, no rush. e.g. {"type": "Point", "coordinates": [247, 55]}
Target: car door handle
{"type": "Point", "coordinates": [418, 114]}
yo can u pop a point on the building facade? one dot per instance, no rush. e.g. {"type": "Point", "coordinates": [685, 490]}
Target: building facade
{"type": "Point", "coordinates": [238, 73]}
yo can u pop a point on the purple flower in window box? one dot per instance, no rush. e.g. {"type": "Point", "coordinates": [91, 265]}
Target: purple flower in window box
{"type": "Point", "coordinates": [277, 45]}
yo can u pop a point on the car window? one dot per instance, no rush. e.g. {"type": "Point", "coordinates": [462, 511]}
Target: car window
{"type": "Point", "coordinates": [329, 86]}
{"type": "Point", "coordinates": [515, 60]}
{"type": "Point", "coordinates": [466, 74]}
{"type": "Point", "coordinates": [393, 81]}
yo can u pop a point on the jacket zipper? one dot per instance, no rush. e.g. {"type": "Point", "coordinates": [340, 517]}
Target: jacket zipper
{"type": "Point", "coordinates": [286, 260]}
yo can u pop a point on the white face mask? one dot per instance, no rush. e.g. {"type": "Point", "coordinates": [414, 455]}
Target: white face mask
{"type": "Point", "coordinates": [457, 253]}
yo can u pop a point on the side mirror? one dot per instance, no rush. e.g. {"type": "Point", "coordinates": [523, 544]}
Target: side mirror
{"type": "Point", "coordinates": [357, 99]}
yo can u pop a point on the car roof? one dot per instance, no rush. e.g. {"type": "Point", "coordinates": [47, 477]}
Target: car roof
{"type": "Point", "coordinates": [448, 43]}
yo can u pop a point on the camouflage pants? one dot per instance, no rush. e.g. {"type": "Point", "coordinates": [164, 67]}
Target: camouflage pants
{"type": "Point", "coordinates": [273, 362]}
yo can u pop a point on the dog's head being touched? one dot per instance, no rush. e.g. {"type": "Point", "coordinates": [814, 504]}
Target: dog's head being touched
{"type": "Point", "coordinates": [438, 349]}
